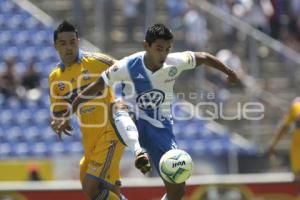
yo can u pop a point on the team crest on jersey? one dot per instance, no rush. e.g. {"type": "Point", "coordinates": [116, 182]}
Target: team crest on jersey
{"type": "Point", "coordinates": [61, 86]}
{"type": "Point", "coordinates": [150, 100]}
{"type": "Point", "coordinates": [173, 71]}
{"type": "Point", "coordinates": [86, 75]}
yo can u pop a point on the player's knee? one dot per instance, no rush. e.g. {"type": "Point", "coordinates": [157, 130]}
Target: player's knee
{"type": "Point", "coordinates": [90, 191]}
{"type": "Point", "coordinates": [120, 106]}
{"type": "Point", "coordinates": [91, 188]}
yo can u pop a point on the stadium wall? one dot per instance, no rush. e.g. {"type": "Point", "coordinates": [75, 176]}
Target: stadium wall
{"type": "Point", "coordinates": [242, 187]}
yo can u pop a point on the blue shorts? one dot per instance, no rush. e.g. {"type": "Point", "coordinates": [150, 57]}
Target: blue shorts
{"type": "Point", "coordinates": [156, 141]}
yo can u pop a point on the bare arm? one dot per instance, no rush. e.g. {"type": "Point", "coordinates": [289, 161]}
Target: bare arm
{"type": "Point", "coordinates": [281, 132]}
{"type": "Point", "coordinates": [212, 61]}
{"type": "Point", "coordinates": [88, 93]}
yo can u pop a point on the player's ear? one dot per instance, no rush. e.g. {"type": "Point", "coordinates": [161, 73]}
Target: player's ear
{"type": "Point", "coordinates": [145, 45]}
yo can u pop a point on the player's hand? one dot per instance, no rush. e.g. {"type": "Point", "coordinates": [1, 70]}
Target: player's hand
{"type": "Point", "coordinates": [232, 77]}
{"type": "Point", "coordinates": [273, 159]}
{"type": "Point", "coordinates": [61, 126]}
{"type": "Point", "coordinates": [270, 153]}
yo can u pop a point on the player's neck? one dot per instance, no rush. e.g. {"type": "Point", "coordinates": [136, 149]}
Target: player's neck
{"type": "Point", "coordinates": [150, 65]}
{"type": "Point", "coordinates": [68, 63]}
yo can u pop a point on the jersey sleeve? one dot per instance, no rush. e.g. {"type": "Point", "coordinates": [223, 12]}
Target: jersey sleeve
{"type": "Point", "coordinates": [103, 58]}
{"type": "Point", "coordinates": [117, 73]}
{"type": "Point", "coordinates": [183, 60]}
{"type": "Point", "coordinates": [57, 102]}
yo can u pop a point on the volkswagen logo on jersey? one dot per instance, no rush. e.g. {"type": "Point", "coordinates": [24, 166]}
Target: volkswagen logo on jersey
{"type": "Point", "coordinates": [150, 100]}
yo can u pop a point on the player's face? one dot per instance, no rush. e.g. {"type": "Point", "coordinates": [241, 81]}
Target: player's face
{"type": "Point", "coordinates": [158, 52]}
{"type": "Point", "coordinates": [67, 46]}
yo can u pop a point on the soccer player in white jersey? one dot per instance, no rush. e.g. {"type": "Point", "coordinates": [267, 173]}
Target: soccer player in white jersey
{"type": "Point", "coordinates": [147, 80]}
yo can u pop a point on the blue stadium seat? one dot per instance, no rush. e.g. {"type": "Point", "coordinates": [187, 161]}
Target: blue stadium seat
{"type": "Point", "coordinates": [5, 37]}
{"type": "Point", "coordinates": [31, 133]}
{"type": "Point", "coordinates": [6, 117]}
{"type": "Point", "coordinates": [75, 148]}
{"type": "Point", "coordinates": [23, 117]}
{"type": "Point", "coordinates": [57, 148]}
{"type": "Point", "coordinates": [21, 149]}
{"type": "Point", "coordinates": [13, 134]}
{"type": "Point", "coordinates": [41, 116]}
{"type": "Point", "coordinates": [2, 135]}
{"type": "Point", "coordinates": [5, 150]}
{"type": "Point", "coordinates": [2, 22]}
{"type": "Point", "coordinates": [48, 134]}
{"type": "Point", "coordinates": [15, 21]}
{"type": "Point", "coordinates": [22, 38]}
{"type": "Point", "coordinates": [13, 103]}
{"type": "Point", "coordinates": [7, 6]}
{"type": "Point", "coordinates": [39, 149]}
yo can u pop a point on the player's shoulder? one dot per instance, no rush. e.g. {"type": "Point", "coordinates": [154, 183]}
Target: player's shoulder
{"type": "Point", "coordinates": [56, 71]}
{"type": "Point", "coordinates": [97, 56]}
{"type": "Point", "coordinates": [181, 54]}
{"type": "Point", "coordinates": [296, 103]}
{"type": "Point", "coordinates": [131, 59]}
{"type": "Point", "coordinates": [184, 56]}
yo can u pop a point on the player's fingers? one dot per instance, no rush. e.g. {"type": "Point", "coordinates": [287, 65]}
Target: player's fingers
{"type": "Point", "coordinates": [54, 124]}
{"type": "Point", "coordinates": [67, 132]}
{"type": "Point", "coordinates": [62, 126]}
{"type": "Point", "coordinates": [69, 128]}
{"type": "Point", "coordinates": [59, 135]}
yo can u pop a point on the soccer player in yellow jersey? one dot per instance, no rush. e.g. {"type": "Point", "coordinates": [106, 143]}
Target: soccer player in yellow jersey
{"type": "Point", "coordinates": [291, 120]}
{"type": "Point", "coordinates": [99, 168]}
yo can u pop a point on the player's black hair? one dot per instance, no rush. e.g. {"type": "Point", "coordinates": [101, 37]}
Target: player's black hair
{"type": "Point", "coordinates": [158, 31]}
{"type": "Point", "coordinates": [64, 27]}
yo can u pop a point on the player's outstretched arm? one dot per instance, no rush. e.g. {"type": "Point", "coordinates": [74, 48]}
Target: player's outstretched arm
{"type": "Point", "coordinates": [87, 94]}
{"type": "Point", "coordinates": [283, 130]}
{"type": "Point", "coordinates": [212, 61]}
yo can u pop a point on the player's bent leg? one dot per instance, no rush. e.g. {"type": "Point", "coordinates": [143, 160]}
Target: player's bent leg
{"type": "Point", "coordinates": [128, 134]}
{"type": "Point", "coordinates": [126, 129]}
{"type": "Point", "coordinates": [174, 191]}
{"type": "Point", "coordinates": [97, 189]}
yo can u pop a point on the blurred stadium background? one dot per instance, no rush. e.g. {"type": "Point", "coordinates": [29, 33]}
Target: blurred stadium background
{"type": "Point", "coordinates": [259, 38]}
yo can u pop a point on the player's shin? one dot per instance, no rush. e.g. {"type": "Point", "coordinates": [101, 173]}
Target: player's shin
{"type": "Point", "coordinates": [164, 197]}
{"type": "Point", "coordinates": [106, 195]}
{"type": "Point", "coordinates": [127, 131]}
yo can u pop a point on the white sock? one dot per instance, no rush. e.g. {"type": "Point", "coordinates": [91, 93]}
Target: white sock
{"type": "Point", "coordinates": [164, 197]}
{"type": "Point", "coordinates": [127, 131]}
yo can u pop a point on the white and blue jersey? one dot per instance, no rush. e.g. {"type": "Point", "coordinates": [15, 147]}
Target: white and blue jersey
{"type": "Point", "coordinates": [149, 95]}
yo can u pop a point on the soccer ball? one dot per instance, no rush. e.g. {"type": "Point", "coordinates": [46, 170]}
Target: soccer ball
{"type": "Point", "coordinates": [176, 166]}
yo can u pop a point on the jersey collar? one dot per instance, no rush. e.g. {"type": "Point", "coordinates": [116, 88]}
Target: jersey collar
{"type": "Point", "coordinates": [78, 60]}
